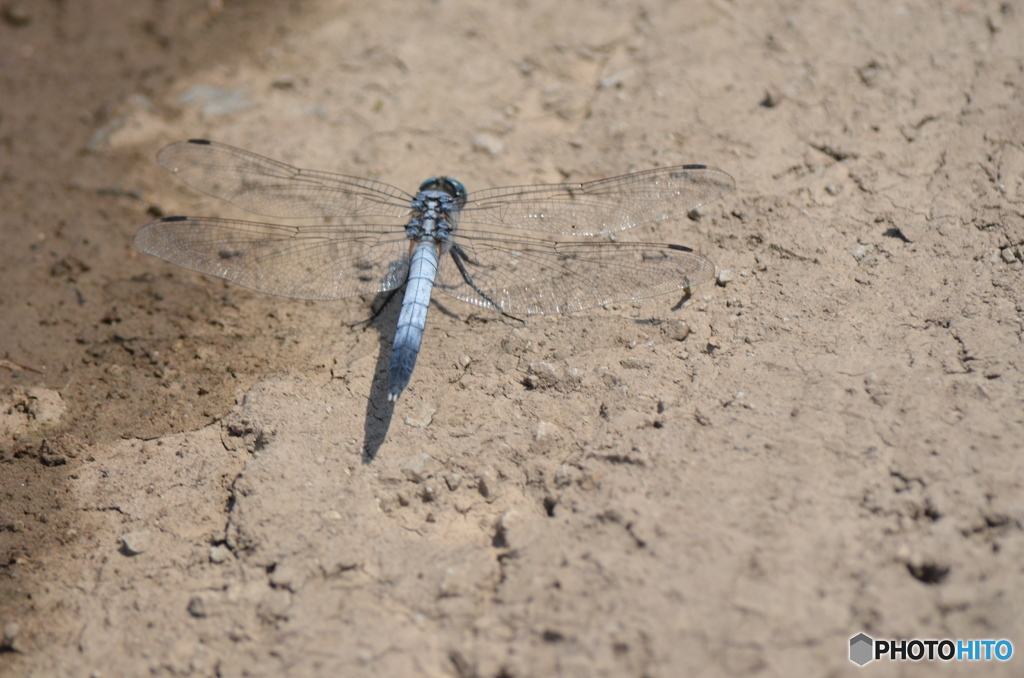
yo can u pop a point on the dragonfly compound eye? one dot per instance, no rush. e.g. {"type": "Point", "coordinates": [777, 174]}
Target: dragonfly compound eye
{"type": "Point", "coordinates": [452, 187]}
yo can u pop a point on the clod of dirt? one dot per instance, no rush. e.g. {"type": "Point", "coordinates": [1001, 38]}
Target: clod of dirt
{"type": "Point", "coordinates": [541, 375]}
{"type": "Point", "coordinates": [28, 411]}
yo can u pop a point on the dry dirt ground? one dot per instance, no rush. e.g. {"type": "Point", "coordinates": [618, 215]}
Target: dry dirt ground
{"type": "Point", "coordinates": [199, 480]}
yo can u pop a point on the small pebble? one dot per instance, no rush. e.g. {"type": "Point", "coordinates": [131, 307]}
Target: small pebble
{"type": "Point", "coordinates": [563, 476]}
{"type": "Point", "coordinates": [1008, 255]}
{"type": "Point", "coordinates": [860, 251]}
{"type": "Point", "coordinates": [423, 418]}
{"type": "Point", "coordinates": [134, 543]}
{"type": "Point", "coordinates": [214, 100]}
{"type": "Point", "coordinates": [544, 429]}
{"type": "Point", "coordinates": [680, 331]}
{"type": "Point", "coordinates": [453, 480]}
{"type": "Point", "coordinates": [724, 277]}
{"type": "Point", "coordinates": [414, 475]}
{"type": "Point", "coordinates": [11, 631]}
{"type": "Point", "coordinates": [488, 143]}
{"type": "Point", "coordinates": [483, 484]}
{"type": "Point", "coordinates": [197, 607]}
{"type": "Point", "coordinates": [284, 82]}
{"type": "Point", "coordinates": [771, 99]}
{"type": "Point", "coordinates": [17, 15]}
{"type": "Point", "coordinates": [219, 553]}
{"type": "Point", "coordinates": [615, 80]}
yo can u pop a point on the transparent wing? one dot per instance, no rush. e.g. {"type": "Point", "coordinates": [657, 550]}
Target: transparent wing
{"type": "Point", "coordinates": [303, 262]}
{"type": "Point", "coordinates": [525, 275]}
{"type": "Point", "coordinates": [264, 186]}
{"type": "Point", "coordinates": [599, 207]}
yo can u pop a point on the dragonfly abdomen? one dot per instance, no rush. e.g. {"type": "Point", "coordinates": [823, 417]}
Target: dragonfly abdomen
{"type": "Point", "coordinates": [413, 318]}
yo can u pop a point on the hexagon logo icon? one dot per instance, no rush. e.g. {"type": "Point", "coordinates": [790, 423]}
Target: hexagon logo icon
{"type": "Point", "coordinates": [861, 649]}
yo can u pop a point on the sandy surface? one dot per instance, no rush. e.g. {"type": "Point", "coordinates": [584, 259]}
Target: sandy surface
{"type": "Point", "coordinates": [199, 480]}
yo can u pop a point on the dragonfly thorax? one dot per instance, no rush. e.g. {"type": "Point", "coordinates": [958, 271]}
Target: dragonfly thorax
{"type": "Point", "coordinates": [435, 212]}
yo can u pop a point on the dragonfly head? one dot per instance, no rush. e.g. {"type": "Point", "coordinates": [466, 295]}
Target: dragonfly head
{"type": "Point", "coordinates": [452, 187]}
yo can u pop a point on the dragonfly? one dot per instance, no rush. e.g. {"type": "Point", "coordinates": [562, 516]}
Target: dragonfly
{"type": "Point", "coordinates": [517, 250]}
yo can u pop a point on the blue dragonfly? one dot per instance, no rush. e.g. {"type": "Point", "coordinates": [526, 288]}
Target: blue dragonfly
{"type": "Point", "coordinates": [519, 250]}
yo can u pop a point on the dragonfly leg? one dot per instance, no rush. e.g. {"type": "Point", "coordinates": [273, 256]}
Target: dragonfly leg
{"type": "Point", "coordinates": [380, 309]}
{"type": "Point", "coordinates": [458, 256]}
